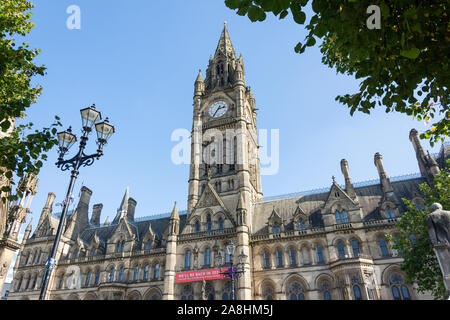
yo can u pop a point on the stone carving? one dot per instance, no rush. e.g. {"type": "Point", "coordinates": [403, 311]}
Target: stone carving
{"type": "Point", "coordinates": [3, 269]}
{"type": "Point", "coordinates": [439, 230]}
{"type": "Point", "coordinates": [204, 290]}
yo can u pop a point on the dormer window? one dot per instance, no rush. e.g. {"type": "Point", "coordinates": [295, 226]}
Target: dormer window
{"type": "Point", "coordinates": [389, 212]}
{"type": "Point", "coordinates": [301, 224]}
{"type": "Point", "coordinates": [276, 227]}
{"type": "Point", "coordinates": [220, 223]}
{"type": "Point", "coordinates": [341, 217]}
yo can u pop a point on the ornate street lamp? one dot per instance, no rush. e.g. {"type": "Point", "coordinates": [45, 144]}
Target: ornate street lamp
{"type": "Point", "coordinates": [234, 271]}
{"type": "Point", "coordinates": [89, 116]}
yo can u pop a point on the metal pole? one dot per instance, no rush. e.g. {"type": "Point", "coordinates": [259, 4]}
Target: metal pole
{"type": "Point", "coordinates": [232, 278]}
{"type": "Point", "coordinates": [50, 263]}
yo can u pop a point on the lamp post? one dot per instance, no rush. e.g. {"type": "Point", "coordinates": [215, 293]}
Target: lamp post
{"type": "Point", "coordinates": [89, 117]}
{"type": "Point", "coordinates": [234, 271]}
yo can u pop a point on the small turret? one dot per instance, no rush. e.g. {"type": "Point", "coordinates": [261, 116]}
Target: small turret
{"type": "Point", "coordinates": [199, 86]}
{"type": "Point", "coordinates": [27, 233]}
{"type": "Point", "coordinates": [174, 221]}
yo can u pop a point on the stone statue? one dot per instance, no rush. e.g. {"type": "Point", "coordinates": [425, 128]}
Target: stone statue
{"type": "Point", "coordinates": [439, 230]}
{"type": "Point", "coordinates": [204, 290]}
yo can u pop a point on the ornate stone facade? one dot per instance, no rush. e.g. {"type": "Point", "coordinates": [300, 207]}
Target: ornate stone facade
{"type": "Point", "coordinates": [323, 244]}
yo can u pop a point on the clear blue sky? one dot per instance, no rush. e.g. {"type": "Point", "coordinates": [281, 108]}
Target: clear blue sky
{"type": "Point", "coordinates": [137, 60]}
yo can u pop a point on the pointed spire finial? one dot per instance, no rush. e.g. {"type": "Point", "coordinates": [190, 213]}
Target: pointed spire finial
{"type": "Point", "coordinates": [334, 179]}
{"type": "Point", "coordinates": [174, 214]}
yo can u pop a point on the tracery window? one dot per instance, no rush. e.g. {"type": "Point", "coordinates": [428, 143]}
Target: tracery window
{"type": "Point", "coordinates": [301, 224]}
{"type": "Point", "coordinates": [389, 212]}
{"type": "Point", "coordinates": [296, 291]}
{"type": "Point", "coordinates": [341, 217]}
{"type": "Point", "coordinates": [399, 289]}
{"type": "Point", "coordinates": [209, 291]}
{"type": "Point", "coordinates": [187, 293]}
{"type": "Point", "coordinates": [226, 291]}
{"type": "Point", "coordinates": [325, 288]}
{"type": "Point", "coordinates": [267, 293]}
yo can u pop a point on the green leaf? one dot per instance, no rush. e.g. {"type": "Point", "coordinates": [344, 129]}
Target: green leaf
{"type": "Point", "coordinates": [412, 53]}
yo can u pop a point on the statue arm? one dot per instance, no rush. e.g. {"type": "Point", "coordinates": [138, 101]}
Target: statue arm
{"type": "Point", "coordinates": [431, 230]}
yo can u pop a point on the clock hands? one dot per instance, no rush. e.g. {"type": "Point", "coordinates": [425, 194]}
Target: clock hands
{"type": "Point", "coordinates": [217, 110]}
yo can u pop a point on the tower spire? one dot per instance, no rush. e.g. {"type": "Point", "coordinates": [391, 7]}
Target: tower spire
{"type": "Point", "coordinates": [225, 46]}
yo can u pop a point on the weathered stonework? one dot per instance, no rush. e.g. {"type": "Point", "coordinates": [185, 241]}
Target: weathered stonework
{"type": "Point", "coordinates": [323, 244]}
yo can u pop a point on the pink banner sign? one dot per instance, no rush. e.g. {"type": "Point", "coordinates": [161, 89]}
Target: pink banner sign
{"type": "Point", "coordinates": [190, 276]}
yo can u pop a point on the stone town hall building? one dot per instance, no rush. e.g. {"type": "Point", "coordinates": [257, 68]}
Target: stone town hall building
{"type": "Point", "coordinates": [323, 244]}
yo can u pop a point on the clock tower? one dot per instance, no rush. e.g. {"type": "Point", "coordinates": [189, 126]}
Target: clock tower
{"type": "Point", "coordinates": [224, 147]}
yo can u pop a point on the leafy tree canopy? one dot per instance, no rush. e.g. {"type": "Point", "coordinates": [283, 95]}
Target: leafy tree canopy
{"type": "Point", "coordinates": [413, 243]}
{"type": "Point", "coordinates": [20, 150]}
{"type": "Point", "coordinates": [403, 65]}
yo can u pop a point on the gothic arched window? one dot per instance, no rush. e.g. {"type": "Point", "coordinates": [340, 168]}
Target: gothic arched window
{"type": "Point", "coordinates": [136, 273]}
{"type": "Point", "coordinates": [319, 254]}
{"type": "Point", "coordinates": [383, 247]}
{"type": "Point", "coordinates": [197, 226]}
{"type": "Point", "coordinates": [146, 270]}
{"type": "Point", "coordinates": [296, 291]}
{"type": "Point", "coordinates": [156, 271]}
{"type": "Point", "coordinates": [88, 279]}
{"type": "Point", "coordinates": [341, 249]}
{"type": "Point", "coordinates": [357, 292]}
{"type": "Point", "coordinates": [220, 223]}
{"type": "Point", "coordinates": [399, 289]}
{"type": "Point", "coordinates": [118, 246]}
{"type": "Point", "coordinates": [207, 258]}
{"type": "Point", "coordinates": [111, 275]}
{"type": "Point", "coordinates": [279, 258]}
{"type": "Point", "coordinates": [267, 293]}
{"type": "Point", "coordinates": [266, 258]}
{"type": "Point", "coordinates": [187, 293]}
{"type": "Point", "coordinates": [97, 277]}
{"type": "Point", "coordinates": [187, 259]}
{"type": "Point", "coordinates": [121, 274]}
{"type": "Point", "coordinates": [226, 291]}
{"type": "Point", "coordinates": [292, 256]}
{"type": "Point", "coordinates": [208, 222]}
{"type": "Point", "coordinates": [325, 288]}
{"type": "Point", "coordinates": [209, 291]}
{"type": "Point", "coordinates": [355, 248]}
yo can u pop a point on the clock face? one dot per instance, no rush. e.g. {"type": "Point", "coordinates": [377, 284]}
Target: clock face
{"type": "Point", "coordinates": [218, 109]}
